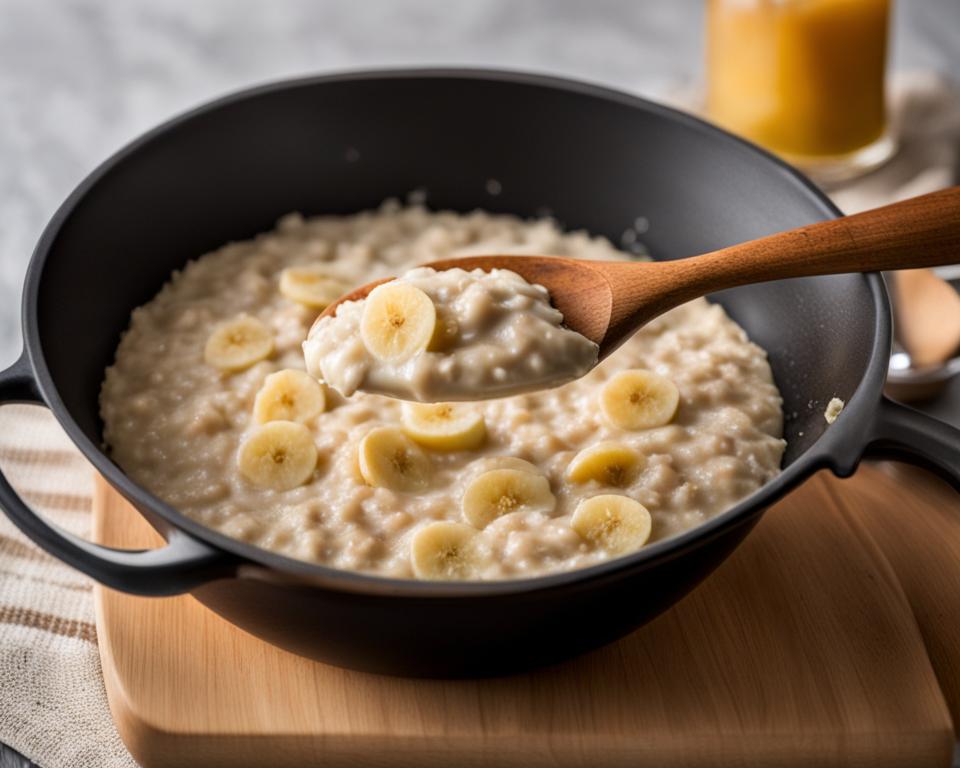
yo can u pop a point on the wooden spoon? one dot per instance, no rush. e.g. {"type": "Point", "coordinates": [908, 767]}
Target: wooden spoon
{"type": "Point", "coordinates": [927, 316]}
{"type": "Point", "coordinates": [607, 301]}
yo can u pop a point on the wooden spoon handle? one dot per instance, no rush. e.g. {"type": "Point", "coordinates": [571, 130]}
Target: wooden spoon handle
{"type": "Point", "coordinates": [919, 232]}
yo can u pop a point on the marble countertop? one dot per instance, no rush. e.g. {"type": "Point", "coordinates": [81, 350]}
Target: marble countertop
{"type": "Point", "coordinates": [79, 78]}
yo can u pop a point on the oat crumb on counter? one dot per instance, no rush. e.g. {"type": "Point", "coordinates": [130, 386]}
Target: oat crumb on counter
{"type": "Point", "coordinates": [833, 410]}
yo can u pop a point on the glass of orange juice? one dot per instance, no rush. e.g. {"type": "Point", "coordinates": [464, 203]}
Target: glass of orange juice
{"type": "Point", "coordinates": [803, 78]}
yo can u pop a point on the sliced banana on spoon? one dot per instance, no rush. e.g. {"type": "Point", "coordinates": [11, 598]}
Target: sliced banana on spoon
{"type": "Point", "coordinates": [398, 321]}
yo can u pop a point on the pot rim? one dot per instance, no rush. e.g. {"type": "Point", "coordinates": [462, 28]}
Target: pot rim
{"type": "Point", "coordinates": [831, 449]}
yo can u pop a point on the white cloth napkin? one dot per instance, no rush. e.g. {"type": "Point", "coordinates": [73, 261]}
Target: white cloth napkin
{"type": "Point", "coordinates": [53, 708]}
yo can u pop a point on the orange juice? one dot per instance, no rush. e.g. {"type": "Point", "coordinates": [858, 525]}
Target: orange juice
{"type": "Point", "coordinates": [802, 77]}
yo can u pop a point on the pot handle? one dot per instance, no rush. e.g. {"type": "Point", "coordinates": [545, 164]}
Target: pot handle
{"type": "Point", "coordinates": [183, 564]}
{"type": "Point", "coordinates": [902, 433]}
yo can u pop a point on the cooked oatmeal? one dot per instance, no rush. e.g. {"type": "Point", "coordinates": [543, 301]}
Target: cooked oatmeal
{"type": "Point", "coordinates": [207, 406]}
{"type": "Point", "coordinates": [451, 335]}
{"type": "Point", "coordinates": [834, 408]}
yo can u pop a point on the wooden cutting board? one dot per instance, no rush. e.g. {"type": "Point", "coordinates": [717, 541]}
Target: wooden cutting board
{"type": "Point", "coordinates": [818, 643]}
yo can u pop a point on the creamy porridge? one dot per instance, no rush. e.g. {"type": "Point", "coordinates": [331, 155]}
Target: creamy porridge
{"type": "Point", "coordinates": [452, 335]}
{"type": "Point", "coordinates": [208, 406]}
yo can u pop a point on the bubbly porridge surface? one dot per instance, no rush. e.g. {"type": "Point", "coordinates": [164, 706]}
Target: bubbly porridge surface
{"type": "Point", "coordinates": [680, 423]}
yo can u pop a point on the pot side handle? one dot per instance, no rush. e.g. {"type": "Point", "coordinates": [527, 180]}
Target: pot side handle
{"type": "Point", "coordinates": [902, 433]}
{"type": "Point", "coordinates": [183, 564]}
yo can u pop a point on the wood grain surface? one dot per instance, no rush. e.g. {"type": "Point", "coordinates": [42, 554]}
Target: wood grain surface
{"type": "Point", "coordinates": [801, 650]}
{"type": "Point", "coordinates": [914, 518]}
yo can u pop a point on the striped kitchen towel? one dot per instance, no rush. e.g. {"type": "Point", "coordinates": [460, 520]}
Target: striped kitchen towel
{"type": "Point", "coordinates": [53, 708]}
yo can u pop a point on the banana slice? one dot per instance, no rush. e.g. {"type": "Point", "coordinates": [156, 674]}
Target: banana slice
{"type": "Point", "coordinates": [238, 344]}
{"type": "Point", "coordinates": [444, 426]}
{"type": "Point", "coordinates": [389, 459]}
{"type": "Point", "coordinates": [501, 491]}
{"type": "Point", "coordinates": [280, 455]}
{"type": "Point", "coordinates": [607, 462]}
{"type": "Point", "coordinates": [289, 395]}
{"type": "Point", "coordinates": [615, 523]}
{"type": "Point", "coordinates": [311, 286]}
{"type": "Point", "coordinates": [398, 321]}
{"type": "Point", "coordinates": [638, 399]}
{"type": "Point", "coordinates": [443, 551]}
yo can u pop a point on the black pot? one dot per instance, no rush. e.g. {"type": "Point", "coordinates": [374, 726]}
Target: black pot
{"type": "Point", "coordinates": [598, 160]}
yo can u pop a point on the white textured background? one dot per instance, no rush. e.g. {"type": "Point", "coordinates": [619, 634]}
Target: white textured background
{"type": "Point", "coordinates": [79, 78]}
